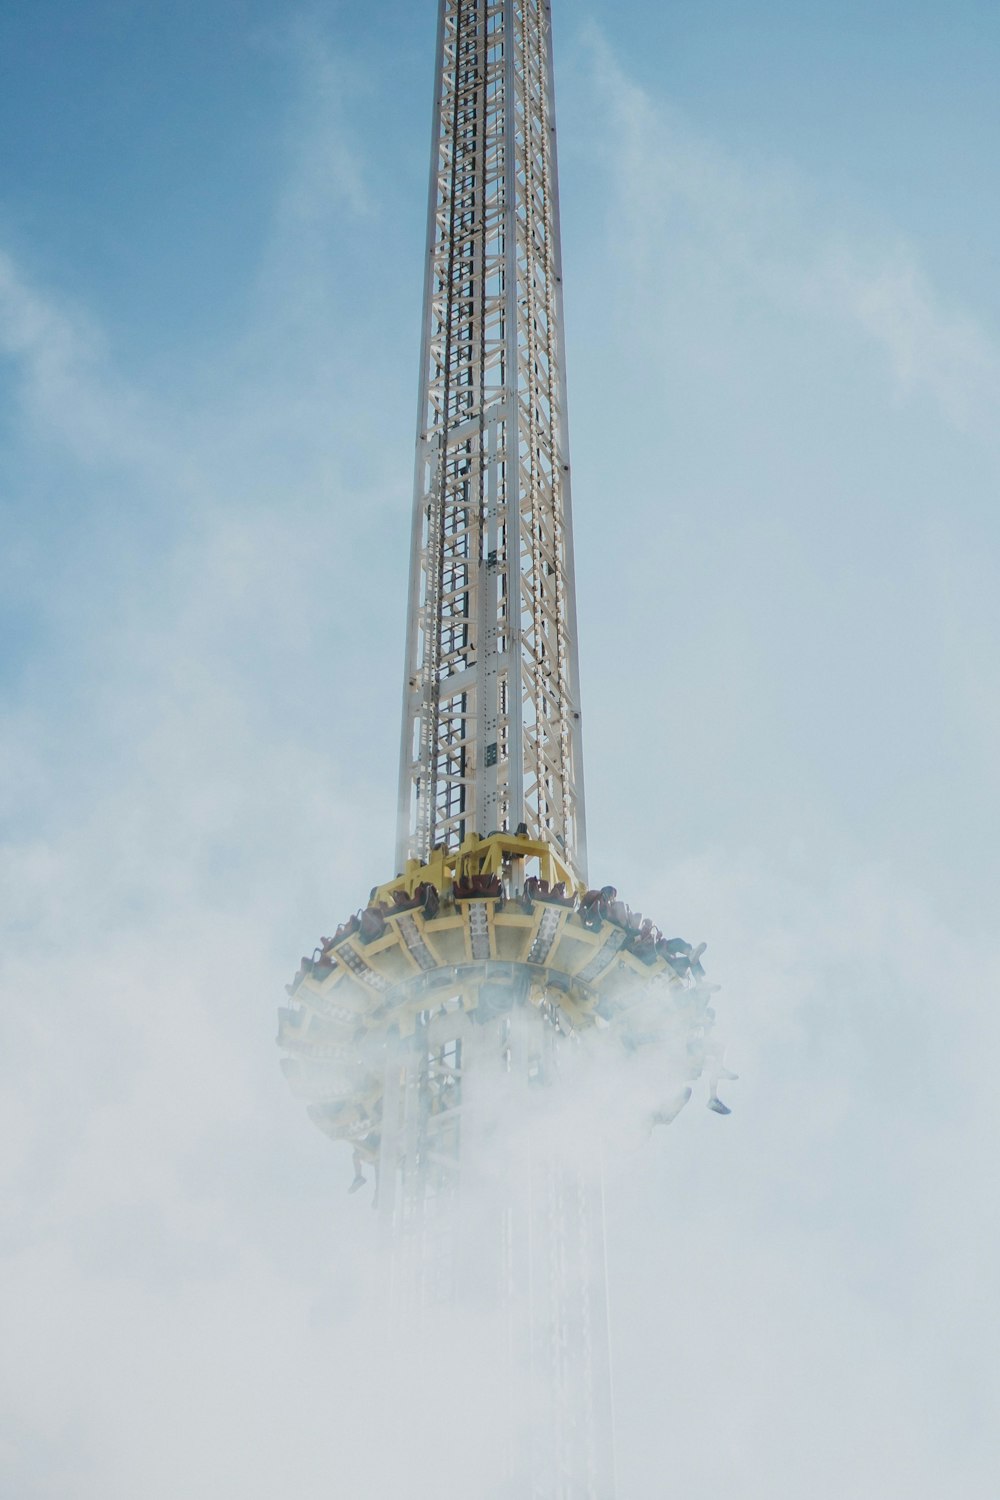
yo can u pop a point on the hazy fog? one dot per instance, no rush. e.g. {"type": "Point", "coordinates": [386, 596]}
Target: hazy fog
{"type": "Point", "coordinates": [785, 372]}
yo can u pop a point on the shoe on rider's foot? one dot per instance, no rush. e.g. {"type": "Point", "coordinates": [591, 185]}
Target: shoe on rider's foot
{"type": "Point", "coordinates": [358, 1182]}
{"type": "Point", "coordinates": [719, 1107]}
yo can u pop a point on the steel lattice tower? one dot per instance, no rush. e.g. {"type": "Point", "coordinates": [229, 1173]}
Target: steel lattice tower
{"type": "Point", "coordinates": [434, 1029]}
{"type": "Point", "coordinates": [491, 714]}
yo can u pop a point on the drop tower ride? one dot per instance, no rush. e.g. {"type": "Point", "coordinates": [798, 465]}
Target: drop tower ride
{"type": "Point", "coordinates": [433, 1030]}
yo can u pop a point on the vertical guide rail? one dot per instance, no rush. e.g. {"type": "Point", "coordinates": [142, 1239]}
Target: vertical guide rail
{"type": "Point", "coordinates": [491, 715]}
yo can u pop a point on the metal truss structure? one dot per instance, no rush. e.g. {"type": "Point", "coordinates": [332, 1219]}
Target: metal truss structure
{"type": "Point", "coordinates": [491, 711]}
{"type": "Point", "coordinates": [430, 1030]}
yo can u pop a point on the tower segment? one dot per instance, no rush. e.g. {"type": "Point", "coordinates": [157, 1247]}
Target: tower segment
{"type": "Point", "coordinates": [491, 708]}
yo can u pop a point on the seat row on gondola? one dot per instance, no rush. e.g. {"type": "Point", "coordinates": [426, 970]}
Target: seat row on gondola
{"type": "Point", "coordinates": [593, 909]}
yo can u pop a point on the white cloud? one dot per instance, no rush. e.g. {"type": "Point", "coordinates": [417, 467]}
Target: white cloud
{"type": "Point", "coordinates": [683, 204]}
{"type": "Point", "coordinates": [803, 1294]}
{"type": "Point", "coordinates": [64, 383]}
{"type": "Point", "coordinates": [929, 347]}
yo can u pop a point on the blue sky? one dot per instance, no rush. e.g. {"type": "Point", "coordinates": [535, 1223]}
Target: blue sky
{"type": "Point", "coordinates": [783, 322]}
